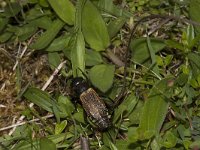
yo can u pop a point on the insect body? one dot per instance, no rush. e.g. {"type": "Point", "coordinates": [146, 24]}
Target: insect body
{"type": "Point", "coordinates": [93, 105]}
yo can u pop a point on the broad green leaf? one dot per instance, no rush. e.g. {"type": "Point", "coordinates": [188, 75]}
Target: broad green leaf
{"type": "Point", "coordinates": [102, 76]}
{"type": "Point", "coordinates": [46, 144]}
{"type": "Point", "coordinates": [54, 60]}
{"type": "Point", "coordinates": [155, 109]}
{"type": "Point", "coordinates": [42, 22]}
{"type": "Point", "coordinates": [59, 44]}
{"type": "Point", "coordinates": [140, 51]}
{"type": "Point", "coordinates": [44, 100]}
{"type": "Point", "coordinates": [43, 3]}
{"type": "Point", "coordinates": [77, 47]}
{"type": "Point", "coordinates": [39, 98]}
{"type": "Point", "coordinates": [115, 26]}
{"type": "Point", "coordinates": [60, 127]}
{"type": "Point", "coordinates": [66, 105]}
{"type": "Point", "coordinates": [64, 9]}
{"type": "Point", "coordinates": [134, 116]}
{"type": "Point", "coordinates": [79, 116]}
{"type": "Point", "coordinates": [5, 36]}
{"type": "Point", "coordinates": [23, 32]}
{"type": "Point", "coordinates": [92, 58]}
{"type": "Point", "coordinates": [46, 38]}
{"type": "Point", "coordinates": [94, 28]}
{"type": "Point", "coordinates": [194, 12]}
{"type": "Point", "coordinates": [170, 140]}
{"type": "Point", "coordinates": [3, 23]}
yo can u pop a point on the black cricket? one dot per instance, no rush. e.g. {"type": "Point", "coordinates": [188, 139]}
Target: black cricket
{"type": "Point", "coordinates": [93, 105]}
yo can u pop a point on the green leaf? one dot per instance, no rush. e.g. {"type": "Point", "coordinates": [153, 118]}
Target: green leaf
{"type": "Point", "coordinates": [3, 23]}
{"type": "Point", "coordinates": [23, 32]}
{"type": "Point", "coordinates": [94, 28]}
{"type": "Point", "coordinates": [112, 146]}
{"type": "Point", "coordinates": [60, 127]}
{"type": "Point", "coordinates": [42, 22]}
{"type": "Point", "coordinates": [48, 36]}
{"type": "Point", "coordinates": [195, 58]}
{"type": "Point", "coordinates": [36, 13]}
{"type": "Point", "coordinates": [79, 116]}
{"type": "Point", "coordinates": [190, 35]}
{"type": "Point", "coordinates": [12, 9]}
{"type": "Point", "coordinates": [65, 105]}
{"type": "Point", "coordinates": [170, 140]}
{"type": "Point", "coordinates": [5, 36]}
{"type": "Point", "coordinates": [77, 46]}
{"type": "Point", "coordinates": [43, 3]}
{"type": "Point", "coordinates": [59, 44]}
{"type": "Point", "coordinates": [123, 144]}
{"type": "Point", "coordinates": [174, 44]}
{"type": "Point", "coordinates": [125, 107]}
{"type": "Point", "coordinates": [155, 109]}
{"type": "Point", "coordinates": [34, 145]}
{"type": "Point", "coordinates": [194, 12]}
{"type": "Point", "coordinates": [140, 51]}
{"type": "Point", "coordinates": [64, 9]}
{"type": "Point", "coordinates": [39, 98]}
{"type": "Point", "coordinates": [44, 100]}
{"type": "Point", "coordinates": [54, 60]}
{"type": "Point", "coordinates": [115, 26]}
{"type": "Point", "coordinates": [102, 76]}
{"type": "Point", "coordinates": [92, 58]}
{"type": "Point", "coordinates": [45, 144]}
{"type": "Point", "coordinates": [153, 57]}
{"type": "Point", "coordinates": [195, 144]}
{"type": "Point", "coordinates": [108, 6]}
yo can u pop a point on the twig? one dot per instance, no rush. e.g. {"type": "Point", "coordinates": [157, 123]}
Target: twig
{"type": "Point", "coordinates": [24, 122]}
{"type": "Point", "coordinates": [114, 58]}
{"type": "Point", "coordinates": [43, 88]}
{"type": "Point", "coordinates": [159, 26]}
{"type": "Point", "coordinates": [2, 106]}
{"type": "Point", "coordinates": [53, 75]}
{"type": "Point", "coordinates": [22, 54]}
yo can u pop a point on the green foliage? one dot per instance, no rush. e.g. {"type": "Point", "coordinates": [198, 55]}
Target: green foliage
{"type": "Point", "coordinates": [94, 28]}
{"type": "Point", "coordinates": [64, 9]}
{"type": "Point", "coordinates": [161, 105]}
{"type": "Point", "coordinates": [48, 36]}
{"type": "Point", "coordinates": [140, 50]}
{"type": "Point", "coordinates": [45, 143]}
{"type": "Point", "coordinates": [102, 76]}
{"type": "Point", "coordinates": [193, 12]}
